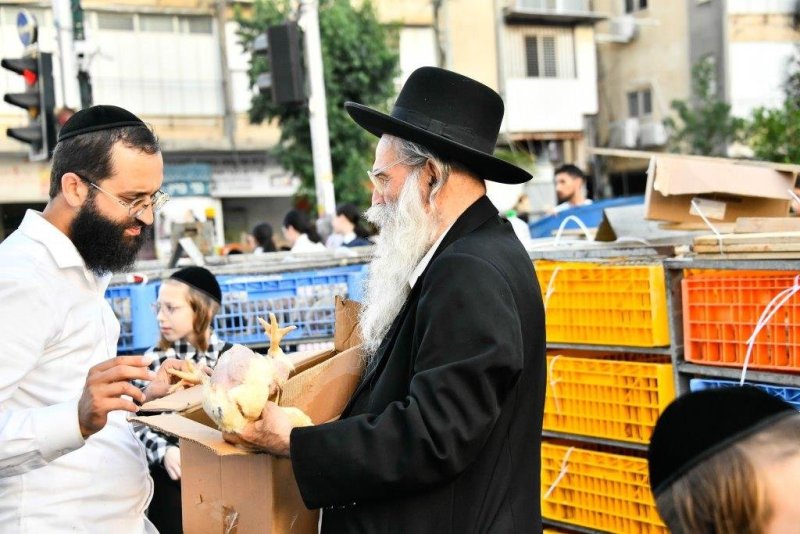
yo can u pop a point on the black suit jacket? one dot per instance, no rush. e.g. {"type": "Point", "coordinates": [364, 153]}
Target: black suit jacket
{"type": "Point", "coordinates": [444, 434]}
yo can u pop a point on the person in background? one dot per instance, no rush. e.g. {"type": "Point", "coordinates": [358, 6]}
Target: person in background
{"type": "Point", "coordinates": [300, 233]}
{"type": "Point", "coordinates": [520, 227]}
{"type": "Point", "coordinates": [187, 303]}
{"type": "Point", "coordinates": [523, 207]}
{"type": "Point", "coordinates": [570, 188]}
{"type": "Point", "coordinates": [261, 238]}
{"type": "Point", "coordinates": [69, 460]}
{"type": "Point", "coordinates": [796, 198]}
{"type": "Point", "coordinates": [347, 224]}
{"type": "Point", "coordinates": [727, 461]}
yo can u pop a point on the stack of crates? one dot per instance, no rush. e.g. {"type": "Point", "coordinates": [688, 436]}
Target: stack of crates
{"type": "Point", "coordinates": [604, 304]}
{"type": "Point", "coordinates": [304, 299]}
{"type": "Point", "coordinates": [720, 312]}
{"type": "Point", "coordinates": [603, 395]}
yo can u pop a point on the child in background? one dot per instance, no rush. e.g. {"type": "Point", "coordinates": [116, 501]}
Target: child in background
{"type": "Point", "coordinates": [187, 303]}
{"type": "Point", "coordinates": [727, 461]}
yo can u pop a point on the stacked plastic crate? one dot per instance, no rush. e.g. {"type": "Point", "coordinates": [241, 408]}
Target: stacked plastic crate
{"type": "Point", "coordinates": [609, 377]}
{"type": "Point", "coordinates": [305, 299]}
{"type": "Point", "coordinates": [737, 317]}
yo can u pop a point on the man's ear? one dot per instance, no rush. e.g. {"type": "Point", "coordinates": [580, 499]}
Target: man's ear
{"type": "Point", "coordinates": [73, 189]}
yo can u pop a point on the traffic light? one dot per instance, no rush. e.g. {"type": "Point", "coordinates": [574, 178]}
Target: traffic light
{"type": "Point", "coordinates": [38, 100]}
{"type": "Point", "coordinates": [283, 47]}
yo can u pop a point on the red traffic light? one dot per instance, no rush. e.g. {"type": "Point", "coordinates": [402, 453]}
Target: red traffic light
{"type": "Point", "coordinates": [30, 77]}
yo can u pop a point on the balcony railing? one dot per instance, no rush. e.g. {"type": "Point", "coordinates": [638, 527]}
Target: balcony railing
{"type": "Point", "coordinates": [560, 11]}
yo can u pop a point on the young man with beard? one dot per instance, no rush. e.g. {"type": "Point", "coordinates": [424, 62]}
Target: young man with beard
{"type": "Point", "coordinates": [69, 460]}
{"type": "Point", "coordinates": [443, 433]}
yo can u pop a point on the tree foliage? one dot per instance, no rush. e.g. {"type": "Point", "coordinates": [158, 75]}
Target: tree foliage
{"type": "Point", "coordinates": [360, 64]}
{"type": "Point", "coordinates": [704, 123]}
{"type": "Point", "coordinates": [773, 133]}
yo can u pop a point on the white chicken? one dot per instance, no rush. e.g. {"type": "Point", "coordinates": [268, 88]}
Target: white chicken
{"type": "Point", "coordinates": [243, 381]}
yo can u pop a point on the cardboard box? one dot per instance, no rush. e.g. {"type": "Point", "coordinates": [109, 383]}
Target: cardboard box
{"type": "Point", "coordinates": [725, 189]}
{"type": "Point", "coordinates": [226, 489]}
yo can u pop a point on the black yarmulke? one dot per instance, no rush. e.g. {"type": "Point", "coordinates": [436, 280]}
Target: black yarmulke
{"type": "Point", "coordinates": [200, 279]}
{"type": "Point", "coordinates": [698, 425]}
{"type": "Point", "coordinates": [98, 118]}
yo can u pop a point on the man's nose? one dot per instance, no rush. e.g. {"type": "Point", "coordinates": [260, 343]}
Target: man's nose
{"type": "Point", "coordinates": [377, 198]}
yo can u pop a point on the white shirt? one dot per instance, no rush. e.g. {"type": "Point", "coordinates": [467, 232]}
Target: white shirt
{"type": "Point", "coordinates": [304, 244]}
{"type": "Point", "coordinates": [56, 325]}
{"type": "Point", "coordinates": [426, 259]}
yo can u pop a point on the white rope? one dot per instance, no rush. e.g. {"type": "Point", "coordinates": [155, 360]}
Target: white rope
{"type": "Point", "coordinates": [561, 474]}
{"type": "Point", "coordinates": [577, 221]}
{"type": "Point", "coordinates": [551, 287]}
{"type": "Point", "coordinates": [793, 195]}
{"type": "Point", "coordinates": [708, 223]}
{"type": "Point", "coordinates": [766, 316]}
{"type": "Point", "coordinates": [553, 382]}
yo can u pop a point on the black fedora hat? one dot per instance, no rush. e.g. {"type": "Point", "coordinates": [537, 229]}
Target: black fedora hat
{"type": "Point", "coordinates": [452, 115]}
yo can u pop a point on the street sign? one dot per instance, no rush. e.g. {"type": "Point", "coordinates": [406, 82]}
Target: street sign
{"type": "Point", "coordinates": [27, 28]}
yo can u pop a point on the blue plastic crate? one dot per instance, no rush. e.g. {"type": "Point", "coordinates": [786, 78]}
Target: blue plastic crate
{"type": "Point", "coordinates": [304, 299]}
{"type": "Point", "coordinates": [138, 329]}
{"type": "Point", "coordinates": [789, 394]}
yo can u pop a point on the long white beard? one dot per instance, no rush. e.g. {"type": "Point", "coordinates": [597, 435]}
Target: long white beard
{"type": "Point", "coordinates": [407, 233]}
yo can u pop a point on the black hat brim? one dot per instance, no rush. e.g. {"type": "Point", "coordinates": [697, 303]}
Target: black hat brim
{"type": "Point", "coordinates": [485, 165]}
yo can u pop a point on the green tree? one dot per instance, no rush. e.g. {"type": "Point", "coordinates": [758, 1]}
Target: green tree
{"type": "Point", "coordinates": [704, 123]}
{"type": "Point", "coordinates": [772, 134]}
{"type": "Point", "coordinates": [360, 64]}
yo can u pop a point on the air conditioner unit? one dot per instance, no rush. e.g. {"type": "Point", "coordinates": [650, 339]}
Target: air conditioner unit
{"type": "Point", "coordinates": [624, 133]}
{"type": "Point", "coordinates": [652, 134]}
{"type": "Point", "coordinates": [622, 30]}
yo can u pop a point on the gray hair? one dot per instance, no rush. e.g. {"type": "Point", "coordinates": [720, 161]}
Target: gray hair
{"type": "Point", "coordinates": [415, 155]}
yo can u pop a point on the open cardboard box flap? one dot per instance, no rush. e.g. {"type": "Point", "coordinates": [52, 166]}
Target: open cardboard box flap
{"type": "Point", "coordinates": [727, 189]}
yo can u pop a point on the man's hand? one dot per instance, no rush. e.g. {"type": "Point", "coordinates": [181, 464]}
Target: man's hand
{"type": "Point", "coordinates": [269, 434]}
{"type": "Point", "coordinates": [172, 463]}
{"type": "Point", "coordinates": [160, 385]}
{"type": "Point", "coordinates": [105, 386]}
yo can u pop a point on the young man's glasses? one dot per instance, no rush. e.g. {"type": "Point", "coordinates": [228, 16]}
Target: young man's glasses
{"type": "Point", "coordinates": [138, 206]}
{"type": "Point", "coordinates": [169, 309]}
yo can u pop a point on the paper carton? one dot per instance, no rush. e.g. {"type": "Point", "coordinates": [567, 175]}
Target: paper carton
{"type": "Point", "coordinates": [723, 189]}
{"type": "Point", "coordinates": [226, 489]}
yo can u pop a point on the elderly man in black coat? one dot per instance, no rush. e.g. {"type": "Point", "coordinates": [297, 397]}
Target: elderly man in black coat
{"type": "Point", "coordinates": [443, 433]}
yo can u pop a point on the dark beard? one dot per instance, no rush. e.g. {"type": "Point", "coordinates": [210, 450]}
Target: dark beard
{"type": "Point", "coordinates": [102, 242]}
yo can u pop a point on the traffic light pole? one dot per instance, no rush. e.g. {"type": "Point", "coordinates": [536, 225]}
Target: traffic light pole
{"type": "Point", "coordinates": [317, 109]}
{"type": "Point", "coordinates": [70, 88]}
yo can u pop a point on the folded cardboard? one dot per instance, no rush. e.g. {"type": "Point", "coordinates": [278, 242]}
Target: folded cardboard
{"type": "Point", "coordinates": [723, 190]}
{"type": "Point", "coordinates": [226, 489]}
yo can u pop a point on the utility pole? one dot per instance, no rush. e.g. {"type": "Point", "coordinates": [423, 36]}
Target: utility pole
{"type": "Point", "coordinates": [227, 92]}
{"type": "Point", "coordinates": [62, 16]}
{"type": "Point", "coordinates": [317, 109]}
{"type": "Point", "coordinates": [84, 80]}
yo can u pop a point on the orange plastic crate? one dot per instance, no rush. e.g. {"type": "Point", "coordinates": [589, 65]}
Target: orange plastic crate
{"type": "Point", "coordinates": [722, 309]}
{"type": "Point", "coordinates": [600, 490]}
{"type": "Point", "coordinates": [604, 304]}
{"type": "Point", "coordinates": [608, 396]}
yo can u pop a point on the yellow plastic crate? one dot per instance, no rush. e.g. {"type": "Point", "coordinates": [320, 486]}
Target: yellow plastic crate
{"type": "Point", "coordinates": [604, 304]}
{"type": "Point", "coordinates": [607, 396]}
{"type": "Point", "coordinates": [598, 490]}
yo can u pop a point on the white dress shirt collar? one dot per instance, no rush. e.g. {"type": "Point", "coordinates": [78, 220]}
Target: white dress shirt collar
{"type": "Point", "coordinates": [426, 259]}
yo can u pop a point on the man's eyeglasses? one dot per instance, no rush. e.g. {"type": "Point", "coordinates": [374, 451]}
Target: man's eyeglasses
{"type": "Point", "coordinates": [380, 181]}
{"type": "Point", "coordinates": [138, 206]}
{"type": "Point", "coordinates": [169, 309]}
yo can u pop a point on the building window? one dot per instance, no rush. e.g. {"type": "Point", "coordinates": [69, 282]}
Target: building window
{"type": "Point", "coordinates": [115, 21]}
{"type": "Point", "coordinates": [532, 57]}
{"type": "Point", "coordinates": [196, 25]}
{"type": "Point", "coordinates": [635, 5]}
{"type": "Point", "coordinates": [640, 103]}
{"type": "Point", "coordinates": [540, 53]}
{"type": "Point", "coordinates": [155, 23]}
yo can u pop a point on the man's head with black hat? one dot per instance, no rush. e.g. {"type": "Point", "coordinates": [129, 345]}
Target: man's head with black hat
{"type": "Point", "coordinates": [727, 461]}
{"type": "Point", "coordinates": [104, 185]}
{"type": "Point", "coordinates": [431, 164]}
